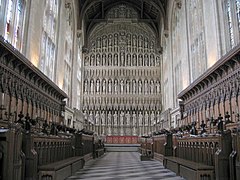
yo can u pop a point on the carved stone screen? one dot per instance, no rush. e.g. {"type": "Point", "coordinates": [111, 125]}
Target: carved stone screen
{"type": "Point", "coordinates": [121, 86]}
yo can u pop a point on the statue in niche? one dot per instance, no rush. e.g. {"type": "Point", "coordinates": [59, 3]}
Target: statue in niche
{"type": "Point", "coordinates": [157, 61]}
{"type": "Point", "coordinates": [115, 59]}
{"type": "Point", "coordinates": [109, 59]}
{"type": "Point", "coordinates": [115, 86]}
{"type": "Point", "coordinates": [104, 41]}
{"type": "Point", "coordinates": [134, 60]}
{"type": "Point", "coordinates": [115, 118]}
{"type": "Point", "coordinates": [121, 86]}
{"type": "Point", "coordinates": [85, 115]}
{"type": "Point", "coordinates": [85, 86]}
{"type": "Point", "coordinates": [146, 86]}
{"type": "Point", "coordinates": [128, 62]}
{"type": "Point", "coordinates": [152, 61]}
{"type": "Point", "coordinates": [146, 62]}
{"type": "Point", "coordinates": [104, 59]}
{"type": "Point", "coordinates": [98, 43]}
{"type": "Point", "coordinates": [134, 118]}
{"type": "Point", "coordinates": [92, 60]}
{"type": "Point", "coordinates": [109, 118]}
{"type": "Point", "coordinates": [103, 118]}
{"type": "Point", "coordinates": [151, 87]}
{"type": "Point", "coordinates": [91, 87]}
{"type": "Point", "coordinates": [128, 118]}
{"type": "Point", "coordinates": [128, 86]}
{"type": "Point", "coordinates": [104, 86]}
{"type": "Point", "coordinates": [146, 118]}
{"type": "Point", "coordinates": [121, 118]}
{"type": "Point", "coordinates": [140, 60]}
{"type": "Point", "coordinates": [158, 87]}
{"type": "Point", "coordinates": [109, 86]}
{"type": "Point", "coordinates": [140, 87]}
{"type": "Point", "coordinates": [134, 86]}
{"type": "Point", "coordinates": [97, 116]}
{"type": "Point", "coordinates": [98, 60]}
{"type": "Point", "coordinates": [98, 86]}
{"type": "Point", "coordinates": [145, 43]}
{"type": "Point", "coordinates": [90, 117]}
{"type": "Point", "coordinates": [140, 118]}
{"type": "Point", "coordinates": [115, 39]}
{"type": "Point", "coordinates": [134, 41]}
{"type": "Point", "coordinates": [158, 117]}
{"type": "Point", "coordinates": [86, 61]}
{"type": "Point", "coordinates": [122, 59]}
{"type": "Point", "coordinates": [152, 118]}
{"type": "Point", "coordinates": [110, 40]}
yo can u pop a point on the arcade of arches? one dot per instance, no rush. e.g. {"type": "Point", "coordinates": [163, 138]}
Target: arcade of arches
{"type": "Point", "coordinates": [159, 76]}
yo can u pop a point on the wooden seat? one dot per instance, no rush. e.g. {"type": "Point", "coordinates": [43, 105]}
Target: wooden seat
{"type": "Point", "coordinates": [188, 169]}
{"type": "Point", "coordinates": [99, 152]}
{"type": "Point", "coordinates": [61, 169]}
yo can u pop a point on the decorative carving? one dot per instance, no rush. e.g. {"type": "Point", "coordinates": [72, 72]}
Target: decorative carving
{"type": "Point", "coordinates": [122, 72]}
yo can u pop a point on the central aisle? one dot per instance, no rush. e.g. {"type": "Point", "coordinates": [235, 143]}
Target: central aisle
{"type": "Point", "coordinates": [124, 165]}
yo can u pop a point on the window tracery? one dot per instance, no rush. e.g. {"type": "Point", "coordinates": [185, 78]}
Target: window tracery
{"type": "Point", "coordinates": [14, 22]}
{"type": "Point", "coordinates": [48, 50]}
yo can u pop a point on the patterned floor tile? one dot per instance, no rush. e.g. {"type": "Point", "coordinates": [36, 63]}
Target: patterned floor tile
{"type": "Point", "coordinates": [123, 166]}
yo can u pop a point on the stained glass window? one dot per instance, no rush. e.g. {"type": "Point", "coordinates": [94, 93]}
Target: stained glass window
{"type": "Point", "coordinates": [14, 22]}
{"type": "Point", "coordinates": [9, 19]}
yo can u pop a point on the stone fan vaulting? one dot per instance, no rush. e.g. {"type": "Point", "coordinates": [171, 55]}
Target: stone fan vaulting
{"type": "Point", "coordinates": [121, 81]}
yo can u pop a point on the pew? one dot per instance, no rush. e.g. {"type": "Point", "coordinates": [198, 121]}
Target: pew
{"type": "Point", "coordinates": [234, 158]}
{"type": "Point", "coordinates": [146, 148]}
{"type": "Point", "coordinates": [54, 157]}
{"type": "Point", "coordinates": [200, 157]}
{"type": "Point", "coordinates": [162, 146]}
{"type": "Point", "coordinates": [98, 148]}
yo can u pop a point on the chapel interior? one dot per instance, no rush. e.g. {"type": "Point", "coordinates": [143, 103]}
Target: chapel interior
{"type": "Point", "coordinates": [119, 89]}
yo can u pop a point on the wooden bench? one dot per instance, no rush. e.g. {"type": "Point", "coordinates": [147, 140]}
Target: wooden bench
{"type": "Point", "coordinates": [189, 169]}
{"type": "Point", "coordinates": [99, 152]}
{"type": "Point", "coordinates": [61, 169]}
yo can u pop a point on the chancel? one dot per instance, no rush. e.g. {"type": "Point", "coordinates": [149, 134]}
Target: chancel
{"type": "Point", "coordinates": [119, 89]}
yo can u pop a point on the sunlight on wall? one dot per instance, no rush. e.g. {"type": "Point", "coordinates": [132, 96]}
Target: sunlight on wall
{"type": "Point", "coordinates": [60, 81]}
{"type": "Point", "coordinates": [34, 58]}
{"type": "Point", "coordinates": [185, 83]}
{"type": "Point", "coordinates": [212, 58]}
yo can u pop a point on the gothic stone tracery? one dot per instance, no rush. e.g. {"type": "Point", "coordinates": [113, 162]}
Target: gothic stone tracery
{"type": "Point", "coordinates": [121, 87]}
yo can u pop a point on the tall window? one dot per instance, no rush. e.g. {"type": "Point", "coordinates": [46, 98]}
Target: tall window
{"type": "Point", "coordinates": [67, 69]}
{"type": "Point", "coordinates": [230, 23]}
{"type": "Point", "coordinates": [197, 38]}
{"type": "Point", "coordinates": [14, 22]}
{"type": "Point", "coordinates": [48, 50]}
{"type": "Point", "coordinates": [232, 9]}
{"type": "Point", "coordinates": [238, 13]}
{"type": "Point", "coordinates": [68, 57]}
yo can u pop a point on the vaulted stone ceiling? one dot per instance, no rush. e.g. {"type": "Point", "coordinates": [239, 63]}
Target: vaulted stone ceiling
{"type": "Point", "coordinates": [152, 12]}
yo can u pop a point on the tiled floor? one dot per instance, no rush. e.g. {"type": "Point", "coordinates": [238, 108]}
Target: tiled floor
{"type": "Point", "coordinates": [124, 165]}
